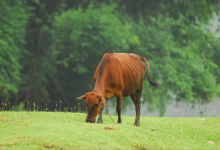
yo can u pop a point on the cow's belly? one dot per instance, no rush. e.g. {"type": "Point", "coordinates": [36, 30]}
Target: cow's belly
{"type": "Point", "coordinates": [132, 83]}
{"type": "Point", "coordinates": [130, 89]}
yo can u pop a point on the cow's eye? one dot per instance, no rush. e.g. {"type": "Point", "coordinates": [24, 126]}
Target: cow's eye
{"type": "Point", "coordinates": [96, 104]}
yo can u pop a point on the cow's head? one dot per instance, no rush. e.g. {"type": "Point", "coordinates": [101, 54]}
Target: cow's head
{"type": "Point", "coordinates": [94, 103]}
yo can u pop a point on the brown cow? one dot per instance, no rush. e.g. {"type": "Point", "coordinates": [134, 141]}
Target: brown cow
{"type": "Point", "coordinates": [119, 75]}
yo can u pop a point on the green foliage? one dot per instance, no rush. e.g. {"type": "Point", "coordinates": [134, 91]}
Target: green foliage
{"type": "Point", "coordinates": [12, 32]}
{"type": "Point", "coordinates": [50, 49]}
{"type": "Point", "coordinates": [91, 32]}
{"type": "Point", "coordinates": [180, 50]}
{"type": "Point", "coordinates": [38, 73]}
{"type": "Point", "coordinates": [81, 38]}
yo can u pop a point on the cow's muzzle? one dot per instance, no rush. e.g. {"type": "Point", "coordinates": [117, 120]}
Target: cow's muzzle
{"type": "Point", "coordinates": [90, 121]}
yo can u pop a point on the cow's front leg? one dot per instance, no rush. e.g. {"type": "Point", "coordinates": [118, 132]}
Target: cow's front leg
{"type": "Point", "coordinates": [100, 116]}
{"type": "Point", "coordinates": [119, 105]}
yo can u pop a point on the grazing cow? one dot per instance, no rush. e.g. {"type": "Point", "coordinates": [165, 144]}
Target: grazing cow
{"type": "Point", "coordinates": [119, 75]}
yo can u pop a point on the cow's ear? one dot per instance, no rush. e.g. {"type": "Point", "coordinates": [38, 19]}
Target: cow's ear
{"type": "Point", "coordinates": [82, 97]}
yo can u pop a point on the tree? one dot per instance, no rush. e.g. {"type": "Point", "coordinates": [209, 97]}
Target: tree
{"type": "Point", "coordinates": [81, 38]}
{"type": "Point", "coordinates": [52, 53]}
{"type": "Point", "coordinates": [12, 32]}
{"type": "Point", "coordinates": [174, 37]}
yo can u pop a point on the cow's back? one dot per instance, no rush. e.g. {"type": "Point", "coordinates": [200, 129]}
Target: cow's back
{"type": "Point", "coordinates": [120, 72]}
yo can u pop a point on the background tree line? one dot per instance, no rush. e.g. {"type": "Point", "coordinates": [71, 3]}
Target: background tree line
{"type": "Point", "coordinates": [49, 49]}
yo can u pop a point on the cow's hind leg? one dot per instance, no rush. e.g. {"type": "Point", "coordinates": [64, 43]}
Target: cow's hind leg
{"type": "Point", "coordinates": [119, 105]}
{"type": "Point", "coordinates": [136, 97]}
{"type": "Point", "coordinates": [100, 116]}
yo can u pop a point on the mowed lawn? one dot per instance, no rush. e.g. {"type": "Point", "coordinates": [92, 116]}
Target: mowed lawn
{"type": "Point", "coordinates": [53, 130]}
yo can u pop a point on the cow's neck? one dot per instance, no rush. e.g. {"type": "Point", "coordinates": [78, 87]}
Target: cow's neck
{"type": "Point", "coordinates": [100, 87]}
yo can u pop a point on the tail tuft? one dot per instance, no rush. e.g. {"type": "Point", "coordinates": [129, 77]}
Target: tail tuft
{"type": "Point", "coordinates": [154, 83]}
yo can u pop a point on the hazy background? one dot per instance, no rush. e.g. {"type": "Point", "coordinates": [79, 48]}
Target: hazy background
{"type": "Point", "coordinates": [49, 50]}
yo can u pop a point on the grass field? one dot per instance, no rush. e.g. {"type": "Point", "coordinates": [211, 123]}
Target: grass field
{"type": "Point", "coordinates": [53, 130]}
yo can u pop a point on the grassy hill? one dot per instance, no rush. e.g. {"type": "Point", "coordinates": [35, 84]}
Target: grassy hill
{"type": "Point", "coordinates": [53, 130]}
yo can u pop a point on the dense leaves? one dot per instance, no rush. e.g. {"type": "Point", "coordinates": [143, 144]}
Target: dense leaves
{"type": "Point", "coordinates": [12, 33]}
{"type": "Point", "coordinates": [80, 40]}
{"type": "Point", "coordinates": [50, 49]}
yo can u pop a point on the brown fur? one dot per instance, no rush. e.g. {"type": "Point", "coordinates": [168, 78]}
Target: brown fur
{"type": "Point", "coordinates": [117, 75]}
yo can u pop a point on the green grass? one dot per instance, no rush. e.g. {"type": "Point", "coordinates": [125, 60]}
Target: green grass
{"type": "Point", "coordinates": [53, 130]}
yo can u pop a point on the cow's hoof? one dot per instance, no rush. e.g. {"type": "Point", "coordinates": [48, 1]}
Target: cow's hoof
{"type": "Point", "coordinates": [137, 124]}
{"type": "Point", "coordinates": [99, 121]}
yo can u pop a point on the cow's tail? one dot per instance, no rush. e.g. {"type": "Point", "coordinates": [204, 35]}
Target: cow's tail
{"type": "Point", "coordinates": [154, 83]}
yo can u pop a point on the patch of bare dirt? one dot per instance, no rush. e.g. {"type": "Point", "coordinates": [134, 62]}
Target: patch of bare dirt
{"type": "Point", "coordinates": [110, 128]}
